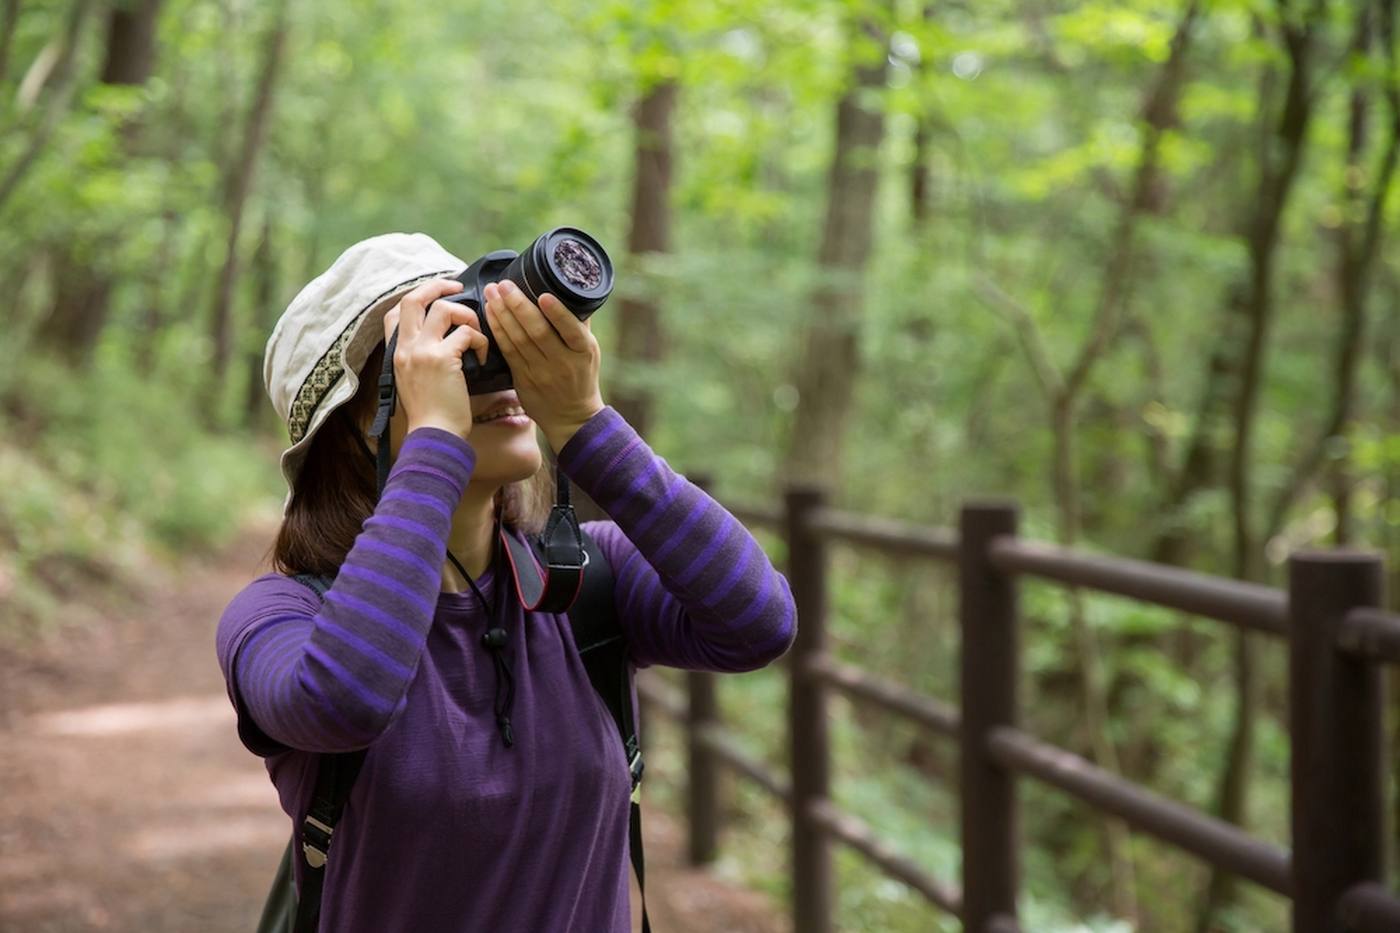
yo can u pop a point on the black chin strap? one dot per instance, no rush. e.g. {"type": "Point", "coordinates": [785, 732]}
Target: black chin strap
{"type": "Point", "coordinates": [388, 402]}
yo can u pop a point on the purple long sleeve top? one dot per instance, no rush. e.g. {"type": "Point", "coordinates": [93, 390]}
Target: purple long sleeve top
{"type": "Point", "coordinates": [446, 829]}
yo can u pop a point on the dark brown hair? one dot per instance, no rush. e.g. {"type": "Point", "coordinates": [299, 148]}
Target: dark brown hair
{"type": "Point", "coordinates": [333, 493]}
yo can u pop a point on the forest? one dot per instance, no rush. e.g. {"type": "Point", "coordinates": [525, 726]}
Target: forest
{"type": "Point", "coordinates": [1132, 264]}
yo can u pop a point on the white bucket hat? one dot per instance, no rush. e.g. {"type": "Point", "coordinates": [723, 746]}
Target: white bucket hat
{"type": "Point", "coordinates": [313, 358]}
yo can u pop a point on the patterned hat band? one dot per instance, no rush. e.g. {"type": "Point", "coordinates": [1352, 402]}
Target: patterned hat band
{"type": "Point", "coordinates": [331, 366]}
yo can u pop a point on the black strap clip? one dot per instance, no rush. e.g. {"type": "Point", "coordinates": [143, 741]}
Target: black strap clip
{"type": "Point", "coordinates": [635, 764]}
{"type": "Point", "coordinates": [316, 841]}
{"type": "Point", "coordinates": [386, 390]}
{"type": "Point", "coordinates": [388, 398]}
{"type": "Point", "coordinates": [553, 587]}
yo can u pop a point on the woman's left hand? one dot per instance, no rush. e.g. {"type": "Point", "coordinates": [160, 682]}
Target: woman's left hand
{"type": "Point", "coordinates": [553, 359]}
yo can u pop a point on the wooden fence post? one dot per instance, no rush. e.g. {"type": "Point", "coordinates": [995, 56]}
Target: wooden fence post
{"type": "Point", "coordinates": [809, 744]}
{"type": "Point", "coordinates": [990, 667]}
{"type": "Point", "coordinates": [1335, 717]}
{"type": "Point", "coordinates": [702, 771]}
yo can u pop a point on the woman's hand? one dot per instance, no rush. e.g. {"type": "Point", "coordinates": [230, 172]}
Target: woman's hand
{"type": "Point", "coordinates": [428, 360]}
{"type": "Point", "coordinates": [553, 359]}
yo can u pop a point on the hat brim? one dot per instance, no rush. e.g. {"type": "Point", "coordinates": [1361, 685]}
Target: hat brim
{"type": "Point", "coordinates": [366, 334]}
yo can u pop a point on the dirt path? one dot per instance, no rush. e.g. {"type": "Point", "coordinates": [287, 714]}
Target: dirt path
{"type": "Point", "coordinates": [128, 803]}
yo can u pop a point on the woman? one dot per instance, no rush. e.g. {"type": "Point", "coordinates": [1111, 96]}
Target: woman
{"type": "Point", "coordinates": [452, 826]}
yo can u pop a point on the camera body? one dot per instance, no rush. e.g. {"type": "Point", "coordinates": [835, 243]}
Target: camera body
{"type": "Point", "coordinates": [566, 262]}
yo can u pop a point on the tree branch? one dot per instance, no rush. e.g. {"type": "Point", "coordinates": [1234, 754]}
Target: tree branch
{"type": "Point", "coordinates": [1027, 332]}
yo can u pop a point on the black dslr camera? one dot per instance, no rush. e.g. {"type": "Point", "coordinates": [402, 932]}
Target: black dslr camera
{"type": "Point", "coordinates": [565, 262]}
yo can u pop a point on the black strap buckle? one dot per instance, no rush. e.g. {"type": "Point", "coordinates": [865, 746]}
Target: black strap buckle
{"type": "Point", "coordinates": [553, 586]}
{"type": "Point", "coordinates": [316, 841]}
{"type": "Point", "coordinates": [388, 398]}
{"type": "Point", "coordinates": [556, 565]}
{"type": "Point", "coordinates": [635, 764]}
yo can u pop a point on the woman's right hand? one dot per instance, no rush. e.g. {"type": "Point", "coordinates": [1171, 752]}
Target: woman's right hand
{"type": "Point", "coordinates": [428, 360]}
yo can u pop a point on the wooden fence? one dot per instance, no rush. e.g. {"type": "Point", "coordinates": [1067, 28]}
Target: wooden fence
{"type": "Point", "coordinates": [1337, 637]}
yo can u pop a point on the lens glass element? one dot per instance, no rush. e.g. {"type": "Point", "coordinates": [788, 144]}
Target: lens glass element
{"type": "Point", "coordinates": [577, 264]}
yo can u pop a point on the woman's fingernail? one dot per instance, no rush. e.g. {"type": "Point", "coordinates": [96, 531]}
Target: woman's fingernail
{"type": "Point", "coordinates": [507, 286]}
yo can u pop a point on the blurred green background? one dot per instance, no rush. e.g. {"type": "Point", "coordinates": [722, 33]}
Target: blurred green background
{"type": "Point", "coordinates": [1131, 263]}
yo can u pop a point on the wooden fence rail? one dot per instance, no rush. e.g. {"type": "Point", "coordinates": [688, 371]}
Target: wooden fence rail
{"type": "Point", "coordinates": [1337, 636]}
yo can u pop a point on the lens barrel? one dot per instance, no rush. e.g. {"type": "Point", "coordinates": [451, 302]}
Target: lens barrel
{"type": "Point", "coordinates": [567, 263]}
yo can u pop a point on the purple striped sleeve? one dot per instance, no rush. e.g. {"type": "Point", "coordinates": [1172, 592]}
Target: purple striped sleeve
{"type": "Point", "coordinates": [332, 676]}
{"type": "Point", "coordinates": [706, 596]}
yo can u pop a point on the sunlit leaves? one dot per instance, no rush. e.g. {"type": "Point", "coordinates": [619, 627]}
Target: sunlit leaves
{"type": "Point", "coordinates": [482, 123]}
{"type": "Point", "coordinates": [1116, 32]}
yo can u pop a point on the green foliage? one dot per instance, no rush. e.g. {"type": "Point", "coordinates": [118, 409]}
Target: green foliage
{"type": "Point", "coordinates": [105, 480]}
{"type": "Point", "coordinates": [484, 123]}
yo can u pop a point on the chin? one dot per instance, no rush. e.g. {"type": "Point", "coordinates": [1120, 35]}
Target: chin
{"type": "Point", "coordinates": [529, 466]}
{"type": "Point", "coordinates": [517, 459]}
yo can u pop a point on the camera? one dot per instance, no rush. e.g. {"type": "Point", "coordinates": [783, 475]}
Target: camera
{"type": "Point", "coordinates": [566, 262]}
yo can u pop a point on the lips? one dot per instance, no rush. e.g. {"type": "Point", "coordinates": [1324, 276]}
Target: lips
{"type": "Point", "coordinates": [508, 404]}
{"type": "Point", "coordinates": [501, 413]}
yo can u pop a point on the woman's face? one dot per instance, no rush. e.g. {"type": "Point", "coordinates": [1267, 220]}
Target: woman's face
{"type": "Point", "coordinates": [507, 448]}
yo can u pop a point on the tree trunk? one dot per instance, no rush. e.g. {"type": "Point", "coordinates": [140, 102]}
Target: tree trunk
{"type": "Point", "coordinates": [255, 401]}
{"type": "Point", "coordinates": [131, 36]}
{"type": "Point", "coordinates": [641, 341]}
{"type": "Point", "coordinates": [640, 338]}
{"type": "Point", "coordinates": [60, 83]}
{"type": "Point", "coordinates": [825, 377]}
{"type": "Point", "coordinates": [130, 59]}
{"type": "Point", "coordinates": [1357, 247]}
{"type": "Point", "coordinates": [160, 279]}
{"type": "Point", "coordinates": [9, 18]}
{"type": "Point", "coordinates": [1092, 678]}
{"type": "Point", "coordinates": [238, 183]}
{"type": "Point", "coordinates": [918, 175]}
{"type": "Point", "coordinates": [918, 168]}
{"type": "Point", "coordinates": [1200, 462]}
{"type": "Point", "coordinates": [153, 314]}
{"type": "Point", "coordinates": [1250, 316]}
{"type": "Point", "coordinates": [81, 300]}
{"type": "Point", "coordinates": [1063, 391]}
{"type": "Point", "coordinates": [1388, 357]}
{"type": "Point", "coordinates": [327, 129]}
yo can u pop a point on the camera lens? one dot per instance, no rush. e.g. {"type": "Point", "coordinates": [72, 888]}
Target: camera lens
{"type": "Point", "coordinates": [576, 265]}
{"type": "Point", "coordinates": [567, 263]}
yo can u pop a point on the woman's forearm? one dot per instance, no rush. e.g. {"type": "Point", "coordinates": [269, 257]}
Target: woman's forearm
{"type": "Point", "coordinates": [333, 677]}
{"type": "Point", "coordinates": [713, 598]}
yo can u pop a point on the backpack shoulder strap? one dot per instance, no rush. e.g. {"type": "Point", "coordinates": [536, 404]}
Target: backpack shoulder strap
{"type": "Point", "coordinates": [600, 642]}
{"type": "Point", "coordinates": [603, 648]}
{"type": "Point", "coordinates": [335, 776]}
{"type": "Point", "coordinates": [593, 615]}
{"type": "Point", "coordinates": [316, 583]}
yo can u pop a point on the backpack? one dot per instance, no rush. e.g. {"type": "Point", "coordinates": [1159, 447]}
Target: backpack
{"type": "Point", "coordinates": [599, 638]}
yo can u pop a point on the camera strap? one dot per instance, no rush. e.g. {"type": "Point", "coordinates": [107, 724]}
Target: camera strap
{"type": "Point", "coordinates": [552, 588]}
